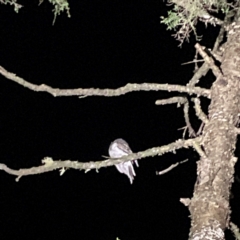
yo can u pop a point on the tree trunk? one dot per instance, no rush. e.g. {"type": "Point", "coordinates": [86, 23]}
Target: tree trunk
{"type": "Point", "coordinates": [209, 206]}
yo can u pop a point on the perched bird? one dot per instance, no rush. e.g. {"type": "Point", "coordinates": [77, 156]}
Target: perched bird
{"type": "Point", "coordinates": [118, 149]}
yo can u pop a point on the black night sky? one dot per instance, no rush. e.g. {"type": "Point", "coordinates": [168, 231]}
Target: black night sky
{"type": "Point", "coordinates": [105, 44]}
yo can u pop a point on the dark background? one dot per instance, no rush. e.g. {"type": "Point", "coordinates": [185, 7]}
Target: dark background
{"type": "Point", "coordinates": [105, 44]}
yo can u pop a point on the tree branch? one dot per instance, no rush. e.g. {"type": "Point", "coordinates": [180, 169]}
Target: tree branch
{"type": "Point", "coordinates": [199, 150]}
{"type": "Point", "coordinates": [50, 164]}
{"type": "Point", "coordinates": [179, 101]}
{"type": "Point", "coordinates": [199, 112]}
{"type": "Point", "coordinates": [187, 120]}
{"type": "Point", "coordinates": [202, 71]}
{"type": "Point", "coordinates": [171, 167]}
{"type": "Point", "coordinates": [81, 92]}
{"type": "Point", "coordinates": [234, 228]}
{"type": "Point", "coordinates": [208, 59]}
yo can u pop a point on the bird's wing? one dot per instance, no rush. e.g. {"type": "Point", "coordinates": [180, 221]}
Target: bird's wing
{"type": "Point", "coordinates": [125, 148]}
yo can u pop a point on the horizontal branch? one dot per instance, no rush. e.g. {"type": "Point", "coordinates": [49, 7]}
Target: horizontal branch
{"type": "Point", "coordinates": [50, 164]}
{"type": "Point", "coordinates": [84, 92]}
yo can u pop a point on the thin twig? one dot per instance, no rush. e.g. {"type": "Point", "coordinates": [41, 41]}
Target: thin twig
{"type": "Point", "coordinates": [171, 167]}
{"type": "Point", "coordinates": [193, 61]}
{"type": "Point", "coordinates": [187, 120]}
{"type": "Point", "coordinates": [180, 101]}
{"type": "Point", "coordinates": [200, 129]}
{"type": "Point", "coordinates": [200, 114]}
{"type": "Point", "coordinates": [234, 228]}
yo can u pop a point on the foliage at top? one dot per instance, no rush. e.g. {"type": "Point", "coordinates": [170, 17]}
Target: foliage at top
{"type": "Point", "coordinates": [185, 15]}
{"type": "Point", "coordinates": [59, 6]}
{"type": "Point", "coordinates": [12, 2]}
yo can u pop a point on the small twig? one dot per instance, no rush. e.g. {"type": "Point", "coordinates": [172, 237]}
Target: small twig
{"type": "Point", "coordinates": [184, 131]}
{"type": "Point", "coordinates": [171, 167]}
{"type": "Point", "coordinates": [200, 129]}
{"type": "Point", "coordinates": [185, 201]}
{"type": "Point", "coordinates": [186, 117]}
{"type": "Point", "coordinates": [194, 61]}
{"type": "Point", "coordinates": [179, 101]}
{"type": "Point", "coordinates": [200, 114]}
{"type": "Point", "coordinates": [196, 57]}
{"type": "Point", "coordinates": [234, 228]}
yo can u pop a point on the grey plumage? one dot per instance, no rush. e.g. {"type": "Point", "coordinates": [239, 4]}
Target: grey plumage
{"type": "Point", "coordinates": [119, 148]}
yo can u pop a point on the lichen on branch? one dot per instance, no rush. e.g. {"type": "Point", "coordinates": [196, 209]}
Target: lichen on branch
{"type": "Point", "coordinates": [85, 92]}
{"type": "Point", "coordinates": [49, 164]}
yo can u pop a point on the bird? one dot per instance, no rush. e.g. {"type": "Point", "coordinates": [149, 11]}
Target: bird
{"type": "Point", "coordinates": [119, 148]}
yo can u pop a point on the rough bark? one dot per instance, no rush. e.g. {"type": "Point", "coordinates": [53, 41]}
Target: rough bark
{"type": "Point", "coordinates": [209, 206]}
